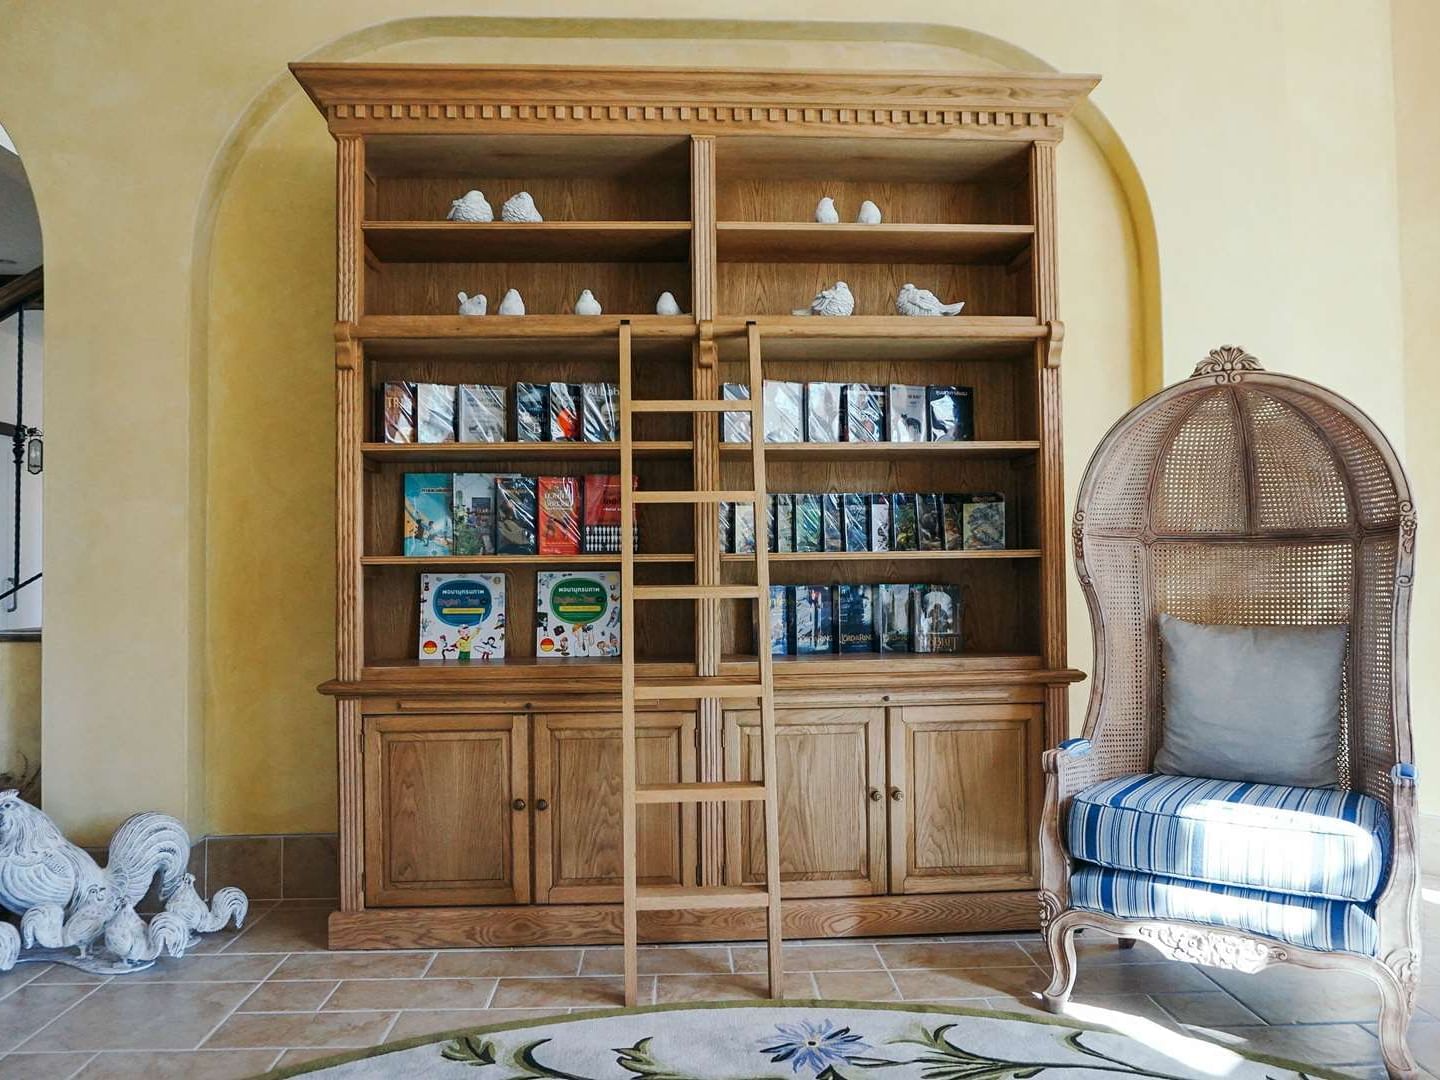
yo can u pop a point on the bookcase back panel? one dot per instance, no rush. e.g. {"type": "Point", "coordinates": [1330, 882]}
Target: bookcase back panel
{"type": "Point", "coordinates": [1004, 202]}
{"type": "Point", "coordinates": [641, 159]}
{"type": "Point", "coordinates": [780, 288]}
{"type": "Point", "coordinates": [586, 198]}
{"type": "Point", "coordinates": [547, 288]}
{"type": "Point", "coordinates": [838, 159]}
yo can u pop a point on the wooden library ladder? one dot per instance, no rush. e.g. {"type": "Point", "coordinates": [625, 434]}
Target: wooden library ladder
{"type": "Point", "coordinates": [688, 897]}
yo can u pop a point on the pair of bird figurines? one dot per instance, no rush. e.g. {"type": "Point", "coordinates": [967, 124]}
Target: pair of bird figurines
{"type": "Point", "coordinates": [472, 207]}
{"type": "Point", "coordinates": [839, 300]}
{"type": "Point", "coordinates": [826, 214]}
{"type": "Point", "coordinates": [585, 304]}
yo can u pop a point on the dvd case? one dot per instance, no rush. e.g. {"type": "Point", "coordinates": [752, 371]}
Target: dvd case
{"type": "Point", "coordinates": [397, 412]}
{"type": "Point", "coordinates": [557, 500]}
{"type": "Point", "coordinates": [480, 415]}
{"type": "Point", "coordinates": [434, 412]}
{"type": "Point", "coordinates": [855, 618]}
{"type": "Point", "coordinates": [855, 508]}
{"type": "Point", "coordinates": [813, 629]}
{"type": "Point", "coordinates": [532, 412]}
{"type": "Point", "coordinates": [983, 522]}
{"type": "Point", "coordinates": [892, 617]}
{"type": "Point", "coordinates": [515, 515]}
{"type": "Point", "coordinates": [879, 522]}
{"type": "Point", "coordinates": [602, 514]}
{"type": "Point", "coordinates": [822, 412]}
{"type": "Point", "coordinates": [906, 412]}
{"type": "Point", "coordinates": [784, 412]}
{"type": "Point", "coordinates": [474, 512]}
{"type": "Point", "coordinates": [462, 617]}
{"type": "Point", "coordinates": [577, 613]}
{"type": "Point", "coordinates": [726, 525]}
{"type": "Point", "coordinates": [771, 540]}
{"type": "Point", "coordinates": [935, 616]}
{"type": "Point", "coordinates": [930, 524]}
{"type": "Point", "coordinates": [784, 522]}
{"type": "Point", "coordinates": [904, 534]}
{"type": "Point", "coordinates": [600, 411]}
{"type": "Point", "coordinates": [951, 412]}
{"type": "Point", "coordinates": [952, 507]}
{"type": "Point", "coordinates": [864, 412]}
{"type": "Point", "coordinates": [564, 412]}
{"type": "Point", "coordinates": [744, 528]}
{"type": "Point", "coordinates": [735, 426]}
{"type": "Point", "coordinates": [809, 523]}
{"type": "Point", "coordinates": [832, 522]}
{"type": "Point", "coordinates": [780, 621]}
{"type": "Point", "coordinates": [429, 528]}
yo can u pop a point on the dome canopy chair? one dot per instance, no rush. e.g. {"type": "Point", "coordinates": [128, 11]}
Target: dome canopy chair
{"type": "Point", "coordinates": [1242, 498]}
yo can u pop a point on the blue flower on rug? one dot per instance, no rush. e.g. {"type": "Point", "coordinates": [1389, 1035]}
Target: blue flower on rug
{"type": "Point", "coordinates": [814, 1046]}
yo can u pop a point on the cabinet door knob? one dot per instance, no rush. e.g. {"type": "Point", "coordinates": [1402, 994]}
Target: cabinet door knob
{"type": "Point", "coordinates": [897, 794]}
{"type": "Point", "coordinates": [541, 804]}
{"type": "Point", "coordinates": [875, 795]}
{"type": "Point", "coordinates": [518, 804]}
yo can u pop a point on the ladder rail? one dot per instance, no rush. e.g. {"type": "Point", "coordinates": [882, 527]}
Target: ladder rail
{"type": "Point", "coordinates": [628, 749]}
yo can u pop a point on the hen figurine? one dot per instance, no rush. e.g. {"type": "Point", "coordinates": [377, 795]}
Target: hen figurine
{"type": "Point", "coordinates": [667, 304]}
{"type": "Point", "coordinates": [473, 305]}
{"type": "Point", "coordinates": [912, 301]}
{"type": "Point", "coordinates": [511, 304]}
{"type": "Point", "coordinates": [586, 304]}
{"type": "Point", "coordinates": [869, 214]}
{"type": "Point", "coordinates": [836, 300]}
{"type": "Point", "coordinates": [471, 207]}
{"type": "Point", "coordinates": [520, 207]}
{"type": "Point", "coordinates": [825, 212]}
{"type": "Point", "coordinates": [9, 946]}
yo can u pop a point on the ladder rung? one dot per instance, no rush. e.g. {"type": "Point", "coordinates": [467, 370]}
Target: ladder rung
{"type": "Point", "coordinates": [694, 496]}
{"type": "Point", "coordinates": [673, 405]}
{"type": "Point", "coordinates": [687, 897]}
{"type": "Point", "coordinates": [696, 592]}
{"type": "Point", "coordinates": [688, 793]}
{"type": "Point", "coordinates": [696, 688]}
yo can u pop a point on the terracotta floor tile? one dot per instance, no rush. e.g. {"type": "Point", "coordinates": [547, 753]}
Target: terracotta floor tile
{"type": "Point", "coordinates": [415, 1022]}
{"type": "Point", "coordinates": [297, 996]}
{"type": "Point", "coordinates": [845, 957]}
{"type": "Point", "coordinates": [1425, 1044]}
{"type": "Point", "coordinates": [856, 985]}
{"type": "Point", "coordinates": [222, 939]}
{"type": "Point", "coordinates": [940, 983]}
{"type": "Point", "coordinates": [280, 1030]}
{"type": "Point", "coordinates": [681, 960]}
{"type": "Point", "coordinates": [25, 1011]}
{"type": "Point", "coordinates": [605, 992]}
{"type": "Point", "coordinates": [1108, 1010]}
{"type": "Point", "coordinates": [1098, 949]}
{"type": "Point", "coordinates": [285, 929]}
{"type": "Point", "coordinates": [1287, 995]}
{"type": "Point", "coordinates": [218, 968]}
{"type": "Point", "coordinates": [496, 962]}
{"type": "Point", "coordinates": [64, 974]}
{"type": "Point", "coordinates": [178, 1065]}
{"type": "Point", "coordinates": [1206, 1008]}
{"type": "Point", "coordinates": [393, 994]}
{"type": "Point", "coordinates": [21, 975]}
{"type": "Point", "coordinates": [673, 988]}
{"type": "Point", "coordinates": [1162, 978]}
{"type": "Point", "coordinates": [140, 1016]}
{"type": "Point", "coordinates": [291, 1058]}
{"type": "Point", "coordinates": [953, 954]}
{"type": "Point", "coordinates": [1317, 1044]}
{"type": "Point", "coordinates": [41, 1066]}
{"type": "Point", "coordinates": [354, 965]}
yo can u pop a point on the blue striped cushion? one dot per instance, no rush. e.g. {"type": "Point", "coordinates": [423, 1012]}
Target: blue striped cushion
{"type": "Point", "coordinates": [1327, 925]}
{"type": "Point", "coordinates": [1319, 842]}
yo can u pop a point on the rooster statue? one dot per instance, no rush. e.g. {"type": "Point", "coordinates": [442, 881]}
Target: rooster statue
{"type": "Point", "coordinates": [66, 901]}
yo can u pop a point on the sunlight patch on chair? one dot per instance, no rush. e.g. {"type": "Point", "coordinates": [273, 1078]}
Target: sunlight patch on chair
{"type": "Point", "coordinates": [1194, 1053]}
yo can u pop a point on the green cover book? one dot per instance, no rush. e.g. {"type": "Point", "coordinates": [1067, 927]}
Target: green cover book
{"type": "Point", "coordinates": [429, 529]}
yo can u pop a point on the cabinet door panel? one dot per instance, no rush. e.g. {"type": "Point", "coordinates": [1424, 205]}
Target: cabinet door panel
{"type": "Point", "coordinates": [832, 836]}
{"type": "Point", "coordinates": [440, 825]}
{"type": "Point", "coordinates": [964, 797]}
{"type": "Point", "coordinates": [577, 779]}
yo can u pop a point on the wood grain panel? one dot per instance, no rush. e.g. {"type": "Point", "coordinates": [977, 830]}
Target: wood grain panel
{"type": "Point", "coordinates": [635, 195]}
{"type": "Point", "coordinates": [548, 288]}
{"type": "Point", "coordinates": [763, 288]}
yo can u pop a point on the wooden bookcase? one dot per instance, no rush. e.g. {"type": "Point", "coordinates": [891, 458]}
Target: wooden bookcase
{"type": "Point", "coordinates": [479, 804]}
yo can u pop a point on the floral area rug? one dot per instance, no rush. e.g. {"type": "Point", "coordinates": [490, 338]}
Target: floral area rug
{"type": "Point", "coordinates": [811, 1040]}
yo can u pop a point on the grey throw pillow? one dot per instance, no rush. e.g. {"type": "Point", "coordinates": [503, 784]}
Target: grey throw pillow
{"type": "Point", "coordinates": [1253, 703]}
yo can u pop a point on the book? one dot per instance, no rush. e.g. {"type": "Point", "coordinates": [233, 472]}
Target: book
{"type": "Point", "coordinates": [557, 500]}
{"type": "Point", "coordinates": [982, 526]}
{"type": "Point", "coordinates": [879, 522]}
{"type": "Point", "coordinates": [771, 540]}
{"type": "Point", "coordinates": [602, 514]}
{"type": "Point", "coordinates": [832, 523]}
{"type": "Point", "coordinates": [892, 617]}
{"type": "Point", "coordinates": [434, 413]}
{"type": "Point", "coordinates": [951, 413]}
{"type": "Point", "coordinates": [904, 528]}
{"type": "Point", "coordinates": [515, 515]}
{"type": "Point", "coordinates": [744, 529]}
{"type": "Point", "coordinates": [784, 522]}
{"type": "Point", "coordinates": [822, 412]}
{"type": "Point", "coordinates": [532, 412]}
{"type": "Point", "coordinates": [809, 523]}
{"type": "Point", "coordinates": [564, 412]}
{"type": "Point", "coordinates": [906, 413]}
{"type": "Point", "coordinates": [480, 413]}
{"type": "Point", "coordinates": [577, 613]}
{"type": "Point", "coordinates": [600, 412]}
{"type": "Point", "coordinates": [780, 644]}
{"type": "Point", "coordinates": [397, 412]}
{"type": "Point", "coordinates": [462, 617]}
{"type": "Point", "coordinates": [473, 506]}
{"type": "Point", "coordinates": [726, 525]}
{"type": "Point", "coordinates": [935, 612]}
{"type": "Point", "coordinates": [735, 426]}
{"type": "Point", "coordinates": [855, 508]}
{"type": "Point", "coordinates": [864, 412]}
{"type": "Point", "coordinates": [784, 411]}
{"type": "Point", "coordinates": [930, 524]}
{"type": "Point", "coordinates": [429, 529]}
{"type": "Point", "coordinates": [953, 508]}
{"type": "Point", "coordinates": [813, 619]}
{"type": "Point", "coordinates": [854, 618]}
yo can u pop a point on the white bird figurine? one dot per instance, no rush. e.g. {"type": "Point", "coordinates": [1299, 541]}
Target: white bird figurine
{"type": "Point", "coordinates": [227, 903]}
{"type": "Point", "coordinates": [667, 304]}
{"type": "Point", "coordinates": [586, 304]}
{"type": "Point", "coordinates": [825, 211]}
{"type": "Point", "coordinates": [511, 304]}
{"type": "Point", "coordinates": [836, 300]}
{"type": "Point", "coordinates": [869, 214]}
{"type": "Point", "coordinates": [471, 207]}
{"type": "Point", "coordinates": [912, 301]}
{"type": "Point", "coordinates": [520, 207]}
{"type": "Point", "coordinates": [473, 305]}
{"type": "Point", "coordinates": [9, 946]}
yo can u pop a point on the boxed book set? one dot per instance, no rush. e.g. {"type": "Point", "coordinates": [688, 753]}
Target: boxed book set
{"type": "Point", "coordinates": [807, 620]}
{"type": "Point", "coordinates": [867, 521]}
{"type": "Point", "coordinates": [476, 413]}
{"type": "Point", "coordinates": [821, 412]}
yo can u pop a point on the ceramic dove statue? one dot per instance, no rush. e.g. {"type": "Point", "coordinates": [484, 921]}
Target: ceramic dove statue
{"type": "Point", "coordinates": [836, 300]}
{"type": "Point", "coordinates": [869, 214]}
{"type": "Point", "coordinates": [471, 207]}
{"type": "Point", "coordinates": [520, 207]}
{"type": "Point", "coordinates": [825, 211]}
{"type": "Point", "coordinates": [667, 304]}
{"type": "Point", "coordinates": [511, 304]}
{"type": "Point", "coordinates": [586, 304]}
{"type": "Point", "coordinates": [912, 301]}
{"type": "Point", "coordinates": [472, 305]}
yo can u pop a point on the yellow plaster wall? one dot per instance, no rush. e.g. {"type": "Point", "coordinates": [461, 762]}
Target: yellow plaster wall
{"type": "Point", "coordinates": [184, 189]}
{"type": "Point", "coordinates": [19, 706]}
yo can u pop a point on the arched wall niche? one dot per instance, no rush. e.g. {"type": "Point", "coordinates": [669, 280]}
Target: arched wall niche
{"type": "Point", "coordinates": [263, 302]}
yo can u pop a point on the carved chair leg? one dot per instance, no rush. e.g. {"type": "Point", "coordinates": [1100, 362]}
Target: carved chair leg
{"type": "Point", "coordinates": [1395, 1010]}
{"type": "Point", "coordinates": [1060, 940]}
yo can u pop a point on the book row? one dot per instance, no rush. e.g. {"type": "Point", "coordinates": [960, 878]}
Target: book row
{"type": "Point", "coordinates": [868, 521]}
{"type": "Point", "coordinates": [511, 514]}
{"type": "Point", "coordinates": [812, 619]}
{"type": "Point", "coordinates": [477, 413]}
{"type": "Point", "coordinates": [462, 616]}
{"type": "Point", "coordinates": [821, 412]}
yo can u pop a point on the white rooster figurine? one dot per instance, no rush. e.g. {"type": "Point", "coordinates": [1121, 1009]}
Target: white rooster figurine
{"type": "Point", "coordinates": [836, 300]}
{"type": "Point", "coordinates": [227, 903]}
{"type": "Point", "coordinates": [471, 207]}
{"type": "Point", "coordinates": [520, 207]}
{"type": "Point", "coordinates": [473, 305]}
{"type": "Point", "coordinates": [9, 946]}
{"type": "Point", "coordinates": [130, 939]}
{"type": "Point", "coordinates": [912, 301]}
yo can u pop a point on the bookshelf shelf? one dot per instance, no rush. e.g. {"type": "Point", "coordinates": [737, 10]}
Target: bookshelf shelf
{"type": "Point", "coordinates": [890, 556]}
{"type": "Point", "coordinates": [887, 451]}
{"type": "Point", "coordinates": [518, 242]}
{"type": "Point", "coordinates": [459, 453]}
{"type": "Point", "coordinates": [767, 241]}
{"type": "Point", "coordinates": [460, 562]}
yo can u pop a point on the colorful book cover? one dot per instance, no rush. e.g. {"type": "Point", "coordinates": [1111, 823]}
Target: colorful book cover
{"type": "Point", "coordinates": [600, 412]}
{"type": "Point", "coordinates": [434, 412]}
{"type": "Point", "coordinates": [532, 412]}
{"type": "Point", "coordinates": [473, 507]}
{"type": "Point", "coordinates": [771, 538]}
{"type": "Point", "coordinates": [855, 618]}
{"type": "Point", "coordinates": [833, 525]}
{"type": "Point", "coordinates": [930, 523]}
{"type": "Point", "coordinates": [892, 617]}
{"type": "Point", "coordinates": [780, 644]}
{"type": "Point", "coordinates": [954, 510]}
{"type": "Point", "coordinates": [864, 412]}
{"type": "Point", "coordinates": [515, 515]}
{"type": "Point", "coordinates": [822, 412]}
{"type": "Point", "coordinates": [906, 412]}
{"type": "Point", "coordinates": [904, 534]}
{"type": "Point", "coordinates": [879, 522]}
{"type": "Point", "coordinates": [734, 426]}
{"type": "Point", "coordinates": [557, 500]}
{"type": "Point", "coordinates": [784, 522]}
{"type": "Point", "coordinates": [951, 412]}
{"type": "Point", "coordinates": [602, 513]}
{"type": "Point", "coordinates": [564, 412]}
{"type": "Point", "coordinates": [577, 613]}
{"type": "Point", "coordinates": [462, 617]}
{"type": "Point", "coordinates": [784, 412]}
{"type": "Point", "coordinates": [813, 630]}
{"type": "Point", "coordinates": [744, 529]}
{"type": "Point", "coordinates": [857, 521]}
{"type": "Point", "coordinates": [480, 413]}
{"type": "Point", "coordinates": [935, 612]}
{"type": "Point", "coordinates": [726, 525]}
{"type": "Point", "coordinates": [983, 522]}
{"type": "Point", "coordinates": [429, 529]}
{"type": "Point", "coordinates": [809, 523]}
{"type": "Point", "coordinates": [397, 412]}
